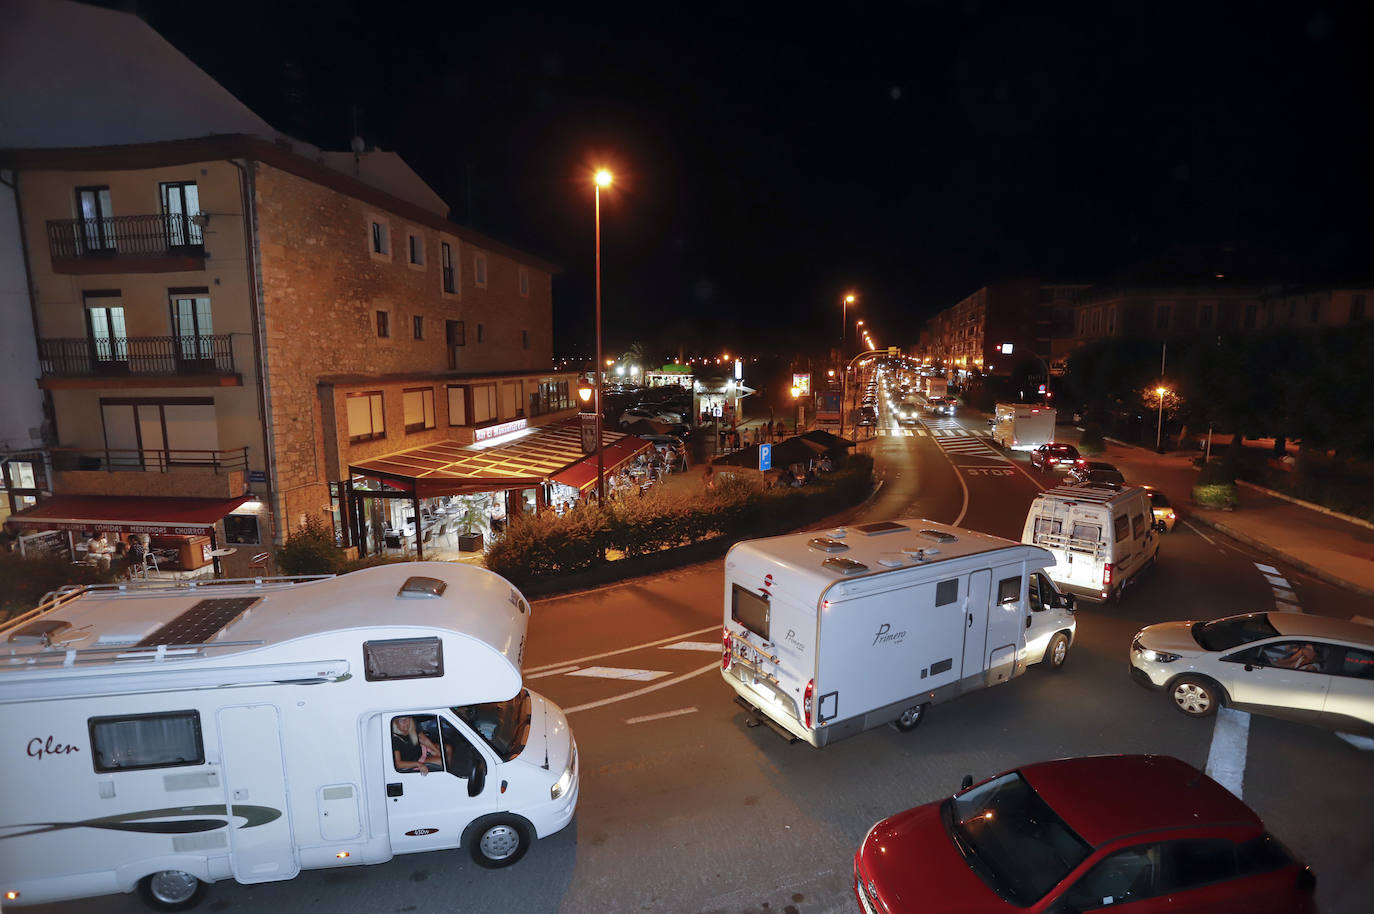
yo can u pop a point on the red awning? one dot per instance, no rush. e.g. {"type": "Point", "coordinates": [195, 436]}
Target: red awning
{"type": "Point", "coordinates": [126, 514]}
{"type": "Point", "coordinates": [582, 475]}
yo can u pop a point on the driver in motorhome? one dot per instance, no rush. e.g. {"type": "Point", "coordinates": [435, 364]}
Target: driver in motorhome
{"type": "Point", "coordinates": [412, 750]}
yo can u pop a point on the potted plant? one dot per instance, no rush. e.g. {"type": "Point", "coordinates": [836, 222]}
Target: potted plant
{"type": "Point", "coordinates": [470, 514]}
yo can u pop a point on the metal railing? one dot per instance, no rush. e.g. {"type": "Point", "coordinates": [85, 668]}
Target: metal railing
{"type": "Point", "coordinates": [148, 460]}
{"type": "Point", "coordinates": [155, 355]}
{"type": "Point", "coordinates": [156, 235]}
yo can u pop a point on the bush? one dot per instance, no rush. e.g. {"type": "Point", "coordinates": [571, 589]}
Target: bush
{"type": "Point", "coordinates": [25, 581]}
{"type": "Point", "coordinates": [1217, 495]}
{"type": "Point", "coordinates": [1092, 442]}
{"type": "Point", "coordinates": [310, 550]}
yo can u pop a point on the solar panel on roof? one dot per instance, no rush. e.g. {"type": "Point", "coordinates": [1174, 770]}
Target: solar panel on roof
{"type": "Point", "coordinates": [201, 622]}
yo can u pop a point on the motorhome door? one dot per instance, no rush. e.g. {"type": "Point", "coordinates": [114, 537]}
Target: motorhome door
{"type": "Point", "coordinates": [1005, 622]}
{"type": "Point", "coordinates": [261, 846]}
{"type": "Point", "coordinates": [429, 811]}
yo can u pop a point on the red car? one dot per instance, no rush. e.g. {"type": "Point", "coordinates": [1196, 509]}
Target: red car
{"type": "Point", "coordinates": [1138, 834]}
{"type": "Point", "coordinates": [1056, 457]}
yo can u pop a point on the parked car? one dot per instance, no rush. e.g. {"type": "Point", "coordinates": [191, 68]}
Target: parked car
{"type": "Point", "coordinates": [1148, 832]}
{"type": "Point", "coordinates": [665, 413]}
{"type": "Point", "coordinates": [634, 413]}
{"type": "Point", "coordinates": [1095, 472]}
{"type": "Point", "coordinates": [1311, 669]}
{"type": "Point", "coordinates": [868, 416]}
{"type": "Point", "coordinates": [1162, 507]}
{"type": "Point", "coordinates": [1049, 457]}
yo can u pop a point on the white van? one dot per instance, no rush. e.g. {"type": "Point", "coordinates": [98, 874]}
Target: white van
{"type": "Point", "coordinates": [828, 635]}
{"type": "Point", "coordinates": [1102, 536]}
{"type": "Point", "coordinates": [165, 737]}
{"type": "Point", "coordinates": [1023, 426]}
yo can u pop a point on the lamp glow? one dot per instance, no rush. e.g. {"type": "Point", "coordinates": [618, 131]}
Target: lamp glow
{"type": "Point", "coordinates": [603, 178]}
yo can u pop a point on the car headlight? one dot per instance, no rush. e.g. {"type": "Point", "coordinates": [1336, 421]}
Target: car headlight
{"type": "Point", "coordinates": [564, 781]}
{"type": "Point", "coordinates": [1157, 656]}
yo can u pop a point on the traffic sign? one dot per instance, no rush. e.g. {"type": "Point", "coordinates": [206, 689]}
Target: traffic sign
{"type": "Point", "coordinates": [765, 457]}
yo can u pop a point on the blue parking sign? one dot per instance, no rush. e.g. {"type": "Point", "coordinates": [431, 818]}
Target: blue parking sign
{"type": "Point", "coordinates": [765, 457]}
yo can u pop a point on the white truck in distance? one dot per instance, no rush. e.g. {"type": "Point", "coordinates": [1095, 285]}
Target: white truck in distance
{"type": "Point", "coordinates": [165, 737]}
{"type": "Point", "coordinates": [1023, 426]}
{"type": "Point", "coordinates": [830, 634]}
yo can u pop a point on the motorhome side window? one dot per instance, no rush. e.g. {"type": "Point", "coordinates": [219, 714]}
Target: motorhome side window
{"type": "Point", "coordinates": [750, 610]}
{"type": "Point", "coordinates": [1123, 527]}
{"type": "Point", "coordinates": [146, 741]}
{"type": "Point", "coordinates": [946, 592]}
{"type": "Point", "coordinates": [1008, 590]}
{"type": "Point", "coordinates": [403, 658]}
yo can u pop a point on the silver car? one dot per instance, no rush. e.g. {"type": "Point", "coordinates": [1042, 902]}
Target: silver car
{"type": "Point", "coordinates": [1310, 669]}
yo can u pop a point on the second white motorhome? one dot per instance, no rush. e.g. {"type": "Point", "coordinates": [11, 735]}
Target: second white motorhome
{"type": "Point", "coordinates": [1102, 536]}
{"type": "Point", "coordinates": [830, 634]}
{"type": "Point", "coordinates": [1023, 426]}
{"type": "Point", "coordinates": [251, 729]}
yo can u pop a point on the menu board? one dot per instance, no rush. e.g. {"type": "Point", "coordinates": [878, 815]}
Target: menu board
{"type": "Point", "coordinates": [48, 544]}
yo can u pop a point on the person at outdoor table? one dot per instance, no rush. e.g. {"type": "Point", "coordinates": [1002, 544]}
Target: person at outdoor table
{"type": "Point", "coordinates": [99, 550]}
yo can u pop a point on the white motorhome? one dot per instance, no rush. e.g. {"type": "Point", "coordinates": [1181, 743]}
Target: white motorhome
{"type": "Point", "coordinates": [164, 737]}
{"type": "Point", "coordinates": [1023, 426]}
{"type": "Point", "coordinates": [830, 634]}
{"type": "Point", "coordinates": [1102, 536]}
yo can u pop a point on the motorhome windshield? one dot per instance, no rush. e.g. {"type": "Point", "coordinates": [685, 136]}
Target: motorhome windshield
{"type": "Point", "coordinates": [503, 725]}
{"type": "Point", "coordinates": [1012, 839]}
{"type": "Point", "coordinates": [1224, 634]}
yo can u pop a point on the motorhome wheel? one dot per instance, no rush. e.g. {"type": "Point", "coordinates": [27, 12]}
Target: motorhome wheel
{"type": "Point", "coordinates": [498, 840]}
{"type": "Point", "coordinates": [1057, 652]}
{"type": "Point", "coordinates": [911, 718]}
{"type": "Point", "coordinates": [171, 890]}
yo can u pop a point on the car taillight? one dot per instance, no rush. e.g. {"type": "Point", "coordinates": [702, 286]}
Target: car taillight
{"type": "Point", "coordinates": [1106, 577]}
{"type": "Point", "coordinates": [806, 701]}
{"type": "Point", "coordinates": [729, 653]}
{"type": "Point", "coordinates": [1170, 515]}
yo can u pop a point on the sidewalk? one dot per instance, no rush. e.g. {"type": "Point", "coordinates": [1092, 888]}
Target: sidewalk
{"type": "Point", "coordinates": [1327, 546]}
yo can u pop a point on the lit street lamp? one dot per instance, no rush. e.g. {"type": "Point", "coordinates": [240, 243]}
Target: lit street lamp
{"type": "Point", "coordinates": [601, 179]}
{"type": "Point", "coordinates": [844, 318]}
{"type": "Point", "coordinates": [1159, 426]}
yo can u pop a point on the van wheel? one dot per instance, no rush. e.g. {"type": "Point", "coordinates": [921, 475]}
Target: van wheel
{"type": "Point", "coordinates": [497, 841]}
{"type": "Point", "coordinates": [1195, 696]}
{"type": "Point", "coordinates": [911, 718]}
{"type": "Point", "coordinates": [171, 890]}
{"type": "Point", "coordinates": [1057, 651]}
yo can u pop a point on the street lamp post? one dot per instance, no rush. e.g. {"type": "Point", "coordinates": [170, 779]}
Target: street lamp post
{"type": "Point", "coordinates": [1159, 426]}
{"type": "Point", "coordinates": [602, 179]}
{"type": "Point", "coordinates": [844, 319]}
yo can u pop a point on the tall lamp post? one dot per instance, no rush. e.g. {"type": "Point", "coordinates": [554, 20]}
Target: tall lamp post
{"type": "Point", "coordinates": [1159, 426]}
{"type": "Point", "coordinates": [601, 179]}
{"type": "Point", "coordinates": [844, 318]}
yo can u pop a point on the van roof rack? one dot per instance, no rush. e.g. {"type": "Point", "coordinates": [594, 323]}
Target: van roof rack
{"type": "Point", "coordinates": [1087, 493]}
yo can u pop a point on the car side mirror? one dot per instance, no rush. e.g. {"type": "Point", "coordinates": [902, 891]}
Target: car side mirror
{"type": "Point", "coordinates": [966, 782]}
{"type": "Point", "coordinates": [477, 779]}
{"type": "Point", "coordinates": [1067, 601]}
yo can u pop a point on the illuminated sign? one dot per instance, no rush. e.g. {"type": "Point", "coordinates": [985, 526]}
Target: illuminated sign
{"type": "Point", "coordinates": [1005, 348]}
{"type": "Point", "coordinates": [802, 382]}
{"type": "Point", "coordinates": [496, 431]}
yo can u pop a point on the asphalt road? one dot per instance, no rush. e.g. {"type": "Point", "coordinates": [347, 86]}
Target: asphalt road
{"type": "Point", "coordinates": [686, 809]}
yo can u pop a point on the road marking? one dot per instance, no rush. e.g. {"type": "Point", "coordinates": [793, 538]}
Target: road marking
{"type": "Point", "coordinates": [1276, 580]}
{"type": "Point", "coordinates": [610, 672]}
{"type": "Point", "coordinates": [1199, 533]}
{"type": "Point", "coordinates": [623, 650]}
{"type": "Point", "coordinates": [1284, 598]}
{"type": "Point", "coordinates": [1359, 742]}
{"type": "Point", "coordinates": [559, 671]}
{"type": "Point", "coordinates": [644, 691]}
{"type": "Point", "coordinates": [709, 646]}
{"type": "Point", "coordinates": [1267, 569]}
{"type": "Point", "coordinates": [1230, 741]}
{"type": "Point", "coordinates": [666, 714]}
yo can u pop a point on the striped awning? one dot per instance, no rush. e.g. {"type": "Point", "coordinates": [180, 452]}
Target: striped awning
{"type": "Point", "coordinates": [521, 460]}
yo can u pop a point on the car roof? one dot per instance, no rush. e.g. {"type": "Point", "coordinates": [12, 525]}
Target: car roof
{"type": "Point", "coordinates": [1310, 626]}
{"type": "Point", "coordinates": [1103, 798]}
{"type": "Point", "coordinates": [1055, 446]}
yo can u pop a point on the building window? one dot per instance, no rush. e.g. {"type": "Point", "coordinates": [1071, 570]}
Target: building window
{"type": "Point", "coordinates": [416, 248]}
{"type": "Point", "coordinates": [1251, 312]}
{"type": "Point", "coordinates": [479, 271]}
{"type": "Point", "coordinates": [524, 283]}
{"type": "Point", "coordinates": [446, 265]}
{"type": "Point", "coordinates": [1204, 316]}
{"type": "Point", "coordinates": [481, 333]}
{"type": "Point", "coordinates": [180, 206]}
{"type": "Point", "coordinates": [130, 743]}
{"type": "Point", "coordinates": [106, 336]}
{"type": "Point", "coordinates": [379, 238]}
{"type": "Point", "coordinates": [1356, 308]}
{"type": "Point", "coordinates": [524, 339]}
{"type": "Point", "coordinates": [366, 418]}
{"type": "Point", "coordinates": [1162, 317]}
{"type": "Point", "coordinates": [457, 405]}
{"type": "Point", "coordinates": [419, 408]}
{"type": "Point", "coordinates": [471, 404]}
{"type": "Point", "coordinates": [97, 218]}
{"type": "Point", "coordinates": [417, 327]}
{"type": "Point", "coordinates": [1111, 321]}
{"type": "Point", "coordinates": [191, 324]}
{"type": "Point", "coordinates": [549, 397]}
{"type": "Point", "coordinates": [384, 324]}
{"type": "Point", "coordinates": [454, 338]}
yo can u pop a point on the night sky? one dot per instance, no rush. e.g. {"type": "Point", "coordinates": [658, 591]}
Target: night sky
{"type": "Point", "coordinates": [768, 158]}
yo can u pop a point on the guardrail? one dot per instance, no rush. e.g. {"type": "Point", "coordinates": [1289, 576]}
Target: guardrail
{"type": "Point", "coordinates": [136, 355]}
{"type": "Point", "coordinates": [152, 235]}
{"type": "Point", "coordinates": [148, 460]}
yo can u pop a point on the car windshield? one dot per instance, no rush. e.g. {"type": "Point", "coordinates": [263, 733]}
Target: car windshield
{"type": "Point", "coordinates": [1159, 500]}
{"type": "Point", "coordinates": [1061, 449]}
{"type": "Point", "coordinates": [503, 725]}
{"type": "Point", "coordinates": [1012, 839]}
{"type": "Point", "coordinates": [1224, 634]}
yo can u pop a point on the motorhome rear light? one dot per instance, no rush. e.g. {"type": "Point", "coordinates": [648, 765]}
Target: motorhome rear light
{"type": "Point", "coordinates": [342, 854]}
{"type": "Point", "coordinates": [806, 700]}
{"type": "Point", "coordinates": [11, 896]}
{"type": "Point", "coordinates": [1107, 576]}
{"type": "Point", "coordinates": [729, 653]}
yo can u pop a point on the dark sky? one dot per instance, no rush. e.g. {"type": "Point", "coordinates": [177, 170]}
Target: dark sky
{"type": "Point", "coordinates": [770, 157]}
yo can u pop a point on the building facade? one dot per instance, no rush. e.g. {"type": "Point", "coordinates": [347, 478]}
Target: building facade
{"type": "Point", "coordinates": [993, 331]}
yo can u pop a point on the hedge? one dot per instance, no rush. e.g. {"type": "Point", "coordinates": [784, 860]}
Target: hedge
{"type": "Point", "coordinates": [592, 535]}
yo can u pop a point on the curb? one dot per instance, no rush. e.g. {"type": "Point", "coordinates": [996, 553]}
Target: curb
{"type": "Point", "coordinates": [1270, 549]}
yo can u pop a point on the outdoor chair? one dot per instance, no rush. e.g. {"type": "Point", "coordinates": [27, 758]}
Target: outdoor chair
{"type": "Point", "coordinates": [392, 540]}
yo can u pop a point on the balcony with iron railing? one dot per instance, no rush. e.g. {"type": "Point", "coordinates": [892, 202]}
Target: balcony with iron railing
{"type": "Point", "coordinates": [178, 472]}
{"type": "Point", "coordinates": [188, 360]}
{"type": "Point", "coordinates": [126, 244]}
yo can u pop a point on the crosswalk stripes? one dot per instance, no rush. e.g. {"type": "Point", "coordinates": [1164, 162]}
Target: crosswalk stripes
{"type": "Point", "coordinates": [955, 439]}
